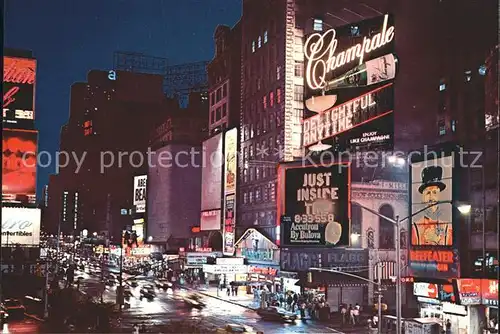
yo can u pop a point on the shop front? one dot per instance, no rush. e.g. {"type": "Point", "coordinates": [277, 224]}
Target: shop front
{"type": "Point", "coordinates": [194, 261]}
{"type": "Point", "coordinates": [263, 257]}
{"type": "Point", "coordinates": [336, 287]}
{"type": "Point", "coordinates": [226, 271]}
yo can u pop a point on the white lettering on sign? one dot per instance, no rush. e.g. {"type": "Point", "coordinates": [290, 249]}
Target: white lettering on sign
{"type": "Point", "coordinates": [319, 50]}
{"type": "Point", "coordinates": [112, 75]}
{"type": "Point", "coordinates": [19, 113]}
{"type": "Point", "coordinates": [337, 119]}
{"type": "Point", "coordinates": [140, 188]}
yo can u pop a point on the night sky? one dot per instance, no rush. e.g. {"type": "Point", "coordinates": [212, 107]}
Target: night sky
{"type": "Point", "coordinates": [71, 37]}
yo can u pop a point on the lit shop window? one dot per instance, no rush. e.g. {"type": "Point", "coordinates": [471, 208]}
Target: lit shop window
{"type": "Point", "coordinates": [265, 37]}
{"type": "Point", "coordinates": [253, 46]}
{"type": "Point", "coordinates": [318, 25]}
{"type": "Point", "coordinates": [271, 99]}
{"type": "Point", "coordinates": [87, 128]}
{"type": "Point", "coordinates": [264, 101]}
{"type": "Point", "coordinates": [278, 95]}
{"type": "Point", "coordinates": [442, 127]}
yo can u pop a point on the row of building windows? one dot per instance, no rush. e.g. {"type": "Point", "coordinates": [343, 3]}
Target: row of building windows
{"type": "Point", "coordinates": [260, 41]}
{"type": "Point", "coordinates": [218, 95]}
{"type": "Point", "coordinates": [272, 98]}
{"type": "Point", "coordinates": [259, 194]}
{"type": "Point", "coordinates": [216, 114]}
{"type": "Point", "coordinates": [259, 218]}
{"type": "Point", "coordinates": [261, 124]}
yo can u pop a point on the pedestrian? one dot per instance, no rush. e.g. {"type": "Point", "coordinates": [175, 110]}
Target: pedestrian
{"type": "Point", "coordinates": [302, 310]}
{"type": "Point", "coordinates": [352, 320]}
{"type": "Point", "coordinates": [448, 326]}
{"type": "Point", "coordinates": [356, 310]}
{"type": "Point", "coordinates": [135, 329]}
{"type": "Point", "coordinates": [343, 314]}
{"type": "Point", "coordinates": [228, 291]}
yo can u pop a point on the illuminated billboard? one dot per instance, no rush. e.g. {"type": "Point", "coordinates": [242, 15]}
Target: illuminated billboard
{"type": "Point", "coordinates": [211, 173]}
{"type": "Point", "coordinates": [19, 77]}
{"type": "Point", "coordinates": [138, 230]}
{"type": "Point", "coordinates": [316, 205]}
{"type": "Point", "coordinates": [140, 189]}
{"type": "Point", "coordinates": [210, 220]}
{"type": "Point", "coordinates": [20, 226]}
{"type": "Point", "coordinates": [349, 86]}
{"type": "Point", "coordinates": [230, 165]}
{"type": "Point", "coordinates": [433, 238]}
{"type": "Point", "coordinates": [19, 149]}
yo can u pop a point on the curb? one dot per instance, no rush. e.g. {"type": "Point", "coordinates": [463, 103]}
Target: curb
{"type": "Point", "coordinates": [34, 317]}
{"type": "Point", "coordinates": [224, 300]}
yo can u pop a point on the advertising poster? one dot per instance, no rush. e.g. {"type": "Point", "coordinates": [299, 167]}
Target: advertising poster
{"type": "Point", "coordinates": [138, 230]}
{"type": "Point", "coordinates": [19, 76]}
{"type": "Point", "coordinates": [316, 208]}
{"type": "Point", "coordinates": [19, 149]}
{"type": "Point", "coordinates": [230, 150]}
{"type": "Point", "coordinates": [489, 288]}
{"type": "Point", "coordinates": [433, 250]}
{"type": "Point", "coordinates": [349, 86]}
{"type": "Point", "coordinates": [210, 220]}
{"type": "Point", "coordinates": [301, 259]}
{"type": "Point", "coordinates": [20, 226]}
{"type": "Point", "coordinates": [211, 173]}
{"type": "Point", "coordinates": [469, 291]}
{"type": "Point", "coordinates": [140, 188]}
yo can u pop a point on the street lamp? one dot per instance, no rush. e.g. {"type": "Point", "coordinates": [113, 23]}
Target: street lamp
{"type": "Point", "coordinates": [463, 208]}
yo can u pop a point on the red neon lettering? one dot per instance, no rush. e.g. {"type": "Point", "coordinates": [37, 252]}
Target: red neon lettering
{"type": "Point", "coordinates": [8, 97]}
{"type": "Point", "coordinates": [432, 256]}
{"type": "Point", "coordinates": [19, 74]}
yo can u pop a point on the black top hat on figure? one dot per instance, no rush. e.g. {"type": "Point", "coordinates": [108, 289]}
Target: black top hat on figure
{"type": "Point", "coordinates": [431, 176]}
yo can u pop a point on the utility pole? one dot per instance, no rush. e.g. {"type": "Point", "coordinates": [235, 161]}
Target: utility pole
{"type": "Point", "coordinates": [398, 276]}
{"type": "Point", "coordinates": [46, 301]}
{"type": "Point", "coordinates": [379, 296]}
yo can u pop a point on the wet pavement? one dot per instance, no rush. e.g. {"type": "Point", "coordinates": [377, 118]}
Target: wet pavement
{"type": "Point", "coordinates": [22, 326]}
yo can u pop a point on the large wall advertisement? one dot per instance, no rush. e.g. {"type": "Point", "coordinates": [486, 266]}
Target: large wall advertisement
{"type": "Point", "coordinates": [211, 173]}
{"type": "Point", "coordinates": [230, 151]}
{"type": "Point", "coordinates": [433, 241]}
{"type": "Point", "coordinates": [19, 149]}
{"type": "Point", "coordinates": [21, 226]}
{"type": "Point", "coordinates": [316, 206]}
{"type": "Point", "coordinates": [19, 76]}
{"type": "Point", "coordinates": [349, 90]}
{"type": "Point", "coordinates": [140, 190]}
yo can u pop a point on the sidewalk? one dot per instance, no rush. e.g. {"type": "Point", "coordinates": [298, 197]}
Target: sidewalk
{"type": "Point", "coordinates": [241, 299]}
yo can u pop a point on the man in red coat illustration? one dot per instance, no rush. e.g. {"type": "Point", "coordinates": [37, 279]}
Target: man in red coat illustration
{"type": "Point", "coordinates": [430, 229]}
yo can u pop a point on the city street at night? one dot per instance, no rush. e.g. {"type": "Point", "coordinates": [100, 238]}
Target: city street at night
{"type": "Point", "coordinates": [250, 166]}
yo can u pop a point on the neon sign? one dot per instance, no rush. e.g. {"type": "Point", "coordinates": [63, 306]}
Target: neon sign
{"type": "Point", "coordinates": [320, 46]}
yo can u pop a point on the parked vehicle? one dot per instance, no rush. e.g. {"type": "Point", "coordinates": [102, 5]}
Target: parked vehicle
{"type": "Point", "coordinates": [14, 308]}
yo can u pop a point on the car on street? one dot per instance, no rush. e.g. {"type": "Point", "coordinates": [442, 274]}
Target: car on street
{"type": "Point", "coordinates": [235, 328]}
{"type": "Point", "coordinates": [132, 282]}
{"type": "Point", "coordinates": [194, 300]}
{"type": "Point", "coordinates": [148, 292]}
{"type": "Point", "coordinates": [276, 314]}
{"type": "Point", "coordinates": [14, 308]}
{"type": "Point", "coordinates": [163, 284]}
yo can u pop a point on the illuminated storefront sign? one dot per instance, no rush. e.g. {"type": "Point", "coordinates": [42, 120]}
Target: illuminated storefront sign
{"type": "Point", "coordinates": [230, 150]}
{"type": "Point", "coordinates": [427, 290]}
{"type": "Point", "coordinates": [433, 243]}
{"type": "Point", "coordinates": [301, 259]}
{"type": "Point", "coordinates": [225, 268]}
{"type": "Point", "coordinates": [263, 271]}
{"type": "Point", "coordinates": [316, 207]}
{"type": "Point", "coordinates": [320, 49]}
{"type": "Point", "coordinates": [19, 92]}
{"type": "Point", "coordinates": [469, 291]}
{"type": "Point", "coordinates": [19, 165]}
{"type": "Point", "coordinates": [20, 226]}
{"type": "Point", "coordinates": [489, 292]}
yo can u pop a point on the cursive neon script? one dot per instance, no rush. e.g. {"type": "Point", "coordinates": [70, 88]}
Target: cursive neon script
{"type": "Point", "coordinates": [9, 96]}
{"type": "Point", "coordinates": [19, 74]}
{"type": "Point", "coordinates": [317, 48]}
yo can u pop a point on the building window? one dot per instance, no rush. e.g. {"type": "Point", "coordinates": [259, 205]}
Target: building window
{"type": "Point", "coordinates": [259, 42]}
{"type": "Point", "coordinates": [218, 114]}
{"type": "Point", "coordinates": [253, 46]}
{"type": "Point", "coordinates": [453, 126]}
{"type": "Point", "coordinates": [224, 110]}
{"type": "Point", "coordinates": [245, 175]}
{"type": "Point", "coordinates": [257, 194]}
{"type": "Point", "coordinates": [264, 124]}
{"type": "Point", "coordinates": [257, 173]}
{"type": "Point", "coordinates": [219, 95]}
{"type": "Point", "coordinates": [264, 101]}
{"type": "Point", "coordinates": [442, 127]}
{"type": "Point", "coordinates": [468, 76]}
{"type": "Point", "coordinates": [318, 25]}
{"type": "Point", "coordinates": [278, 72]}
{"type": "Point", "coordinates": [265, 37]}
{"type": "Point", "coordinates": [212, 99]}
{"type": "Point", "coordinates": [442, 86]}
{"type": "Point", "coordinates": [278, 95]}
{"type": "Point", "coordinates": [250, 169]}
{"type": "Point", "coordinates": [245, 197]}
{"type": "Point", "coordinates": [299, 69]}
{"type": "Point", "coordinates": [386, 229]}
{"type": "Point", "coordinates": [258, 82]}
{"type": "Point", "coordinates": [224, 90]}
{"type": "Point", "coordinates": [250, 196]}
{"type": "Point", "coordinates": [271, 99]}
{"type": "Point", "coordinates": [298, 93]}
{"type": "Point", "coordinates": [251, 152]}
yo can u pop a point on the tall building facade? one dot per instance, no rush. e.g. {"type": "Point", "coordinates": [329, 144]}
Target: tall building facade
{"type": "Point", "coordinates": [106, 138]}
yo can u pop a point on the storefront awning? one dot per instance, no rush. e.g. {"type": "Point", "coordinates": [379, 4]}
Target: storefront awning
{"type": "Point", "coordinates": [251, 231]}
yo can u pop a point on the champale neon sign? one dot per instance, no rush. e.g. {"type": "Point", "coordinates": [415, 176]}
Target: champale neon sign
{"type": "Point", "coordinates": [319, 50]}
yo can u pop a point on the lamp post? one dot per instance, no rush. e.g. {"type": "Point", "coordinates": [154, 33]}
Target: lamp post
{"type": "Point", "coordinates": [464, 209]}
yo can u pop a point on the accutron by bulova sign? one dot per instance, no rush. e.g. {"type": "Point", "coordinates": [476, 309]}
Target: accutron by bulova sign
{"type": "Point", "coordinates": [349, 90]}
